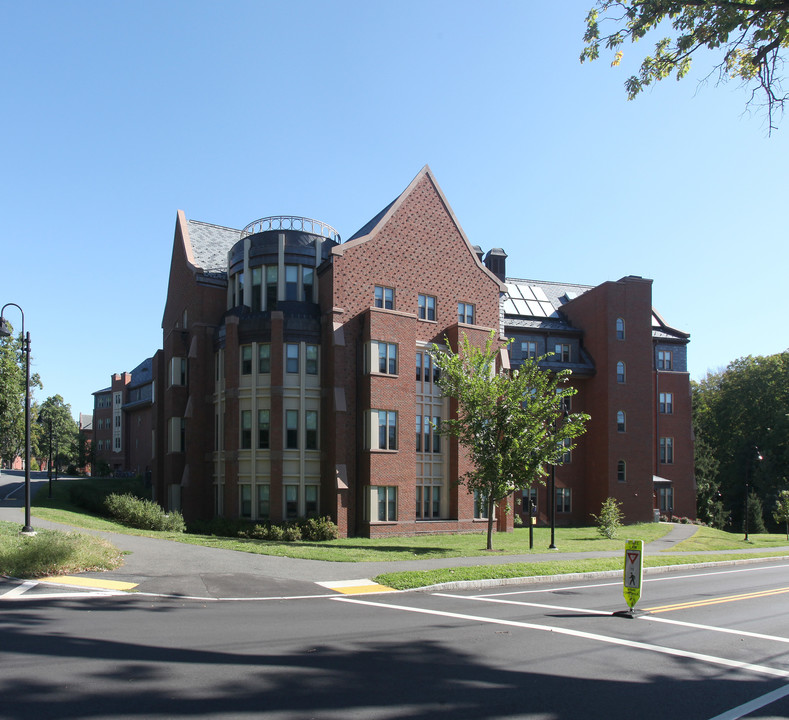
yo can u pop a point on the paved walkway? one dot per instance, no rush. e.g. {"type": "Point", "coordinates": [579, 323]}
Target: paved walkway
{"type": "Point", "coordinates": [173, 568]}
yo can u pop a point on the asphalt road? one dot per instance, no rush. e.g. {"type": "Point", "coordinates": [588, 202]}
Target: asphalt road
{"type": "Point", "coordinates": [550, 652]}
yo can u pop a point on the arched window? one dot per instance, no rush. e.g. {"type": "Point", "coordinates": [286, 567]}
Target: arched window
{"type": "Point", "coordinates": [620, 372]}
{"type": "Point", "coordinates": [620, 329]}
{"type": "Point", "coordinates": [620, 421]}
{"type": "Point", "coordinates": [621, 471]}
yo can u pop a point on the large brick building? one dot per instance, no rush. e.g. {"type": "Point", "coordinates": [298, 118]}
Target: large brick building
{"type": "Point", "coordinates": [294, 378]}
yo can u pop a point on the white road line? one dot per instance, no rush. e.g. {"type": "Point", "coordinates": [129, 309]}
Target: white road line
{"type": "Point", "coordinates": [756, 704]}
{"type": "Point", "coordinates": [583, 611]}
{"type": "Point", "coordinates": [662, 578]}
{"type": "Point", "coordinates": [711, 659]}
{"type": "Point", "coordinates": [712, 628]}
{"type": "Point", "coordinates": [19, 589]}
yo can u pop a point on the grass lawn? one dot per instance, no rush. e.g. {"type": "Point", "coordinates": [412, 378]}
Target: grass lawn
{"type": "Point", "coordinates": [50, 552]}
{"type": "Point", "coordinates": [707, 538]}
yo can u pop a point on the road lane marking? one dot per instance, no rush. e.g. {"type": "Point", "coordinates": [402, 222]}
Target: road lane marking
{"type": "Point", "coordinates": [355, 587]}
{"type": "Point", "coordinates": [19, 589]}
{"type": "Point", "coordinates": [584, 611]}
{"type": "Point", "coordinates": [717, 601]}
{"type": "Point", "coordinates": [95, 583]}
{"type": "Point", "coordinates": [756, 704]}
{"type": "Point", "coordinates": [712, 628]}
{"type": "Point", "coordinates": [711, 659]}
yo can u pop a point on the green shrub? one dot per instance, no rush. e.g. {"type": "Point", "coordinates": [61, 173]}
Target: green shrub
{"type": "Point", "coordinates": [291, 533]}
{"type": "Point", "coordinates": [143, 514]}
{"type": "Point", "coordinates": [319, 529]}
{"type": "Point", "coordinates": [610, 519]}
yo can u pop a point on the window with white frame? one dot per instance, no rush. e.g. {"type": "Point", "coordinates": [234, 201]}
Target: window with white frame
{"type": "Point", "coordinates": [563, 500]}
{"type": "Point", "coordinates": [311, 430]}
{"type": "Point", "coordinates": [666, 403]}
{"type": "Point", "coordinates": [311, 500]}
{"type": "Point", "coordinates": [620, 329]}
{"type": "Point", "coordinates": [264, 502]}
{"type": "Point", "coordinates": [466, 313]}
{"type": "Point", "coordinates": [383, 503]}
{"type": "Point", "coordinates": [257, 289]}
{"type": "Point", "coordinates": [272, 276]}
{"type": "Point", "coordinates": [381, 357]}
{"type": "Point", "coordinates": [246, 430]}
{"type": "Point", "coordinates": [264, 358]}
{"type": "Point", "coordinates": [620, 421]}
{"type": "Point", "coordinates": [264, 429]}
{"type": "Point", "coordinates": [666, 498]}
{"type": "Point", "coordinates": [529, 349]}
{"type": "Point", "coordinates": [292, 357]}
{"type": "Point", "coordinates": [387, 429]}
{"type": "Point", "coordinates": [308, 282]}
{"type": "Point", "coordinates": [665, 360]}
{"type": "Point", "coordinates": [311, 360]}
{"type": "Point", "coordinates": [291, 282]}
{"type": "Point", "coordinates": [291, 500]}
{"type": "Point", "coordinates": [620, 372]}
{"type": "Point", "coordinates": [480, 506]}
{"type": "Point", "coordinates": [562, 352]}
{"type": "Point", "coordinates": [292, 429]}
{"type": "Point", "coordinates": [666, 450]}
{"type": "Point", "coordinates": [245, 500]}
{"type": "Point", "coordinates": [178, 371]}
{"type": "Point", "coordinates": [427, 307]}
{"type": "Point", "coordinates": [246, 359]}
{"type": "Point", "coordinates": [176, 439]}
{"type": "Point", "coordinates": [384, 297]}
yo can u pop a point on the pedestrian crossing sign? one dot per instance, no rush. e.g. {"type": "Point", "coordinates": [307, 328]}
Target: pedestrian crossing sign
{"type": "Point", "coordinates": [633, 574]}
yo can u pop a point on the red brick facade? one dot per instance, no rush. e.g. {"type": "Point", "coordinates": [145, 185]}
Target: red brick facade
{"type": "Point", "coordinates": [294, 378]}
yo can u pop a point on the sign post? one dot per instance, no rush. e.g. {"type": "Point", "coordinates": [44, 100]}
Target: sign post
{"type": "Point", "coordinates": [633, 574]}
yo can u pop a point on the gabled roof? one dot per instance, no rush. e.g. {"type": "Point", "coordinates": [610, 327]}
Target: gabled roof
{"type": "Point", "coordinates": [370, 229]}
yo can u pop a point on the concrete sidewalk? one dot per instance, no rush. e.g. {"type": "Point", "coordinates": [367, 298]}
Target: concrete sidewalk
{"type": "Point", "coordinates": [179, 569]}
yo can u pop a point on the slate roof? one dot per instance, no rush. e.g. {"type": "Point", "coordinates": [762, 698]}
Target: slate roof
{"type": "Point", "coordinates": [142, 374]}
{"type": "Point", "coordinates": [210, 245]}
{"type": "Point", "coordinates": [536, 303]}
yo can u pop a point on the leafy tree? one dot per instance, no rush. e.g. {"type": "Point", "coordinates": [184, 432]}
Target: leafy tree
{"type": "Point", "coordinates": [65, 431]}
{"type": "Point", "coordinates": [12, 397]}
{"type": "Point", "coordinates": [748, 36]}
{"type": "Point", "coordinates": [511, 423]}
{"type": "Point", "coordinates": [781, 511]}
{"type": "Point", "coordinates": [742, 431]}
{"type": "Point", "coordinates": [610, 519]}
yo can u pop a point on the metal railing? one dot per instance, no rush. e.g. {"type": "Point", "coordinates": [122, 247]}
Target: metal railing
{"type": "Point", "coordinates": [291, 222]}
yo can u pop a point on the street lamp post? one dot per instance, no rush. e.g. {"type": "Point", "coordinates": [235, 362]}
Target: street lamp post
{"type": "Point", "coordinates": [5, 331]}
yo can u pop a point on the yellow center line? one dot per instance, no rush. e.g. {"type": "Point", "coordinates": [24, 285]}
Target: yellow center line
{"type": "Point", "coordinates": [717, 601]}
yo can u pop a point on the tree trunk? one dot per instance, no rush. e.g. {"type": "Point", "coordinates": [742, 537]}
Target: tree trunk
{"type": "Point", "coordinates": [490, 523]}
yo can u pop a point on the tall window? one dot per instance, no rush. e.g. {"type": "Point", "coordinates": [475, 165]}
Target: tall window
{"type": "Point", "coordinates": [312, 360]}
{"type": "Point", "coordinates": [428, 501]}
{"type": "Point", "coordinates": [292, 357]}
{"type": "Point", "coordinates": [264, 502]}
{"type": "Point", "coordinates": [308, 281]}
{"type": "Point", "coordinates": [666, 499]}
{"type": "Point", "coordinates": [246, 429]}
{"type": "Point", "coordinates": [291, 502]}
{"type": "Point", "coordinates": [264, 358]}
{"type": "Point", "coordinates": [563, 500]}
{"type": "Point", "coordinates": [291, 282]}
{"type": "Point", "coordinates": [386, 501]}
{"type": "Point", "coordinates": [529, 349]}
{"type": "Point", "coordinates": [666, 403]}
{"type": "Point", "coordinates": [620, 372]}
{"type": "Point", "coordinates": [427, 307]}
{"type": "Point", "coordinates": [666, 450]}
{"type": "Point", "coordinates": [428, 438]}
{"type": "Point", "coordinates": [292, 429]}
{"type": "Point", "coordinates": [620, 329]}
{"type": "Point", "coordinates": [620, 421]}
{"type": "Point", "coordinates": [272, 276]}
{"type": "Point", "coordinates": [177, 435]}
{"type": "Point", "coordinates": [264, 429]}
{"type": "Point", "coordinates": [621, 471]}
{"type": "Point", "coordinates": [178, 371]}
{"type": "Point", "coordinates": [480, 505]}
{"type": "Point", "coordinates": [387, 358]}
{"type": "Point", "coordinates": [245, 501]}
{"type": "Point", "coordinates": [665, 360]}
{"type": "Point", "coordinates": [384, 297]}
{"type": "Point", "coordinates": [387, 430]}
{"type": "Point", "coordinates": [246, 359]}
{"type": "Point", "coordinates": [465, 313]}
{"type": "Point", "coordinates": [257, 289]}
{"type": "Point", "coordinates": [311, 501]}
{"type": "Point", "coordinates": [311, 430]}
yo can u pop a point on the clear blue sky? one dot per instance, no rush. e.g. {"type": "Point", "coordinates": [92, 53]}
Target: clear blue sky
{"type": "Point", "coordinates": [117, 114]}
